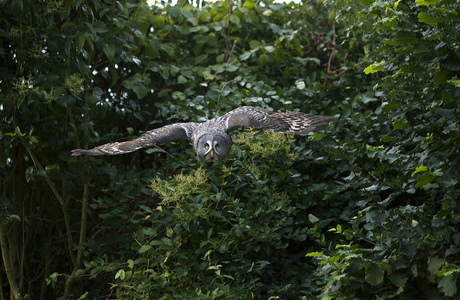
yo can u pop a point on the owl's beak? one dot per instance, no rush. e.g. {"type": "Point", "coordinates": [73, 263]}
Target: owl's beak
{"type": "Point", "coordinates": [212, 154]}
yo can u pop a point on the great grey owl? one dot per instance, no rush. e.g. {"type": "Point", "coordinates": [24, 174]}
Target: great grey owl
{"type": "Point", "coordinates": [210, 139]}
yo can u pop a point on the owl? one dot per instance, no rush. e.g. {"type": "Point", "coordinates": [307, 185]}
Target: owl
{"type": "Point", "coordinates": [210, 139]}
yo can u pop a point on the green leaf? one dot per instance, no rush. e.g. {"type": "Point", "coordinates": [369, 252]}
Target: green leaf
{"type": "Point", "coordinates": [270, 49]}
{"type": "Point", "coordinates": [423, 179]}
{"type": "Point", "coordinates": [312, 254]}
{"type": "Point", "coordinates": [130, 263]}
{"type": "Point", "coordinates": [398, 279]}
{"type": "Point", "coordinates": [426, 18]}
{"type": "Point", "coordinates": [312, 218]}
{"type": "Point", "coordinates": [339, 228]}
{"type": "Point", "coordinates": [419, 169]}
{"type": "Point", "coordinates": [246, 55]}
{"type": "Point", "coordinates": [374, 274]}
{"type": "Point", "coordinates": [114, 76]}
{"type": "Point", "coordinates": [254, 44]}
{"type": "Point", "coordinates": [140, 91]}
{"type": "Point", "coordinates": [83, 296]}
{"type": "Point", "coordinates": [68, 26]}
{"type": "Point", "coordinates": [406, 37]}
{"type": "Point", "coordinates": [80, 41]}
{"type": "Point", "coordinates": [400, 124]}
{"type": "Point", "coordinates": [189, 16]}
{"type": "Point", "coordinates": [181, 79]}
{"type": "Point", "coordinates": [249, 4]}
{"type": "Point", "coordinates": [14, 217]}
{"type": "Point", "coordinates": [109, 50]}
{"type": "Point", "coordinates": [442, 76]}
{"type": "Point", "coordinates": [234, 19]}
{"type": "Point", "coordinates": [120, 274]}
{"type": "Point", "coordinates": [52, 169]}
{"type": "Point", "coordinates": [201, 59]}
{"type": "Point", "coordinates": [231, 68]}
{"type": "Point", "coordinates": [17, 8]}
{"type": "Point", "coordinates": [448, 285]}
{"type": "Point", "coordinates": [145, 248]}
{"type": "Point", "coordinates": [375, 67]}
{"type": "Point", "coordinates": [29, 172]}
{"type": "Point", "coordinates": [207, 75]}
{"type": "Point", "coordinates": [426, 2]}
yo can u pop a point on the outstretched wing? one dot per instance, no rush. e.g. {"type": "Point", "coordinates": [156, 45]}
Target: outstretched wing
{"type": "Point", "coordinates": [168, 133]}
{"type": "Point", "coordinates": [285, 122]}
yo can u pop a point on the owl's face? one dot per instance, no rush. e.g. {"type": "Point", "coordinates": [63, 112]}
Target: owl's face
{"type": "Point", "coordinates": [213, 147]}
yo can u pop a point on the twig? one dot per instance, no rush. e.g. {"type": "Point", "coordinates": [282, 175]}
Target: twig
{"type": "Point", "coordinates": [331, 56]}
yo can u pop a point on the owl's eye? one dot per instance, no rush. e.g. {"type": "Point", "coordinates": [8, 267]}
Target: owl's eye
{"type": "Point", "coordinates": [207, 146]}
{"type": "Point", "coordinates": [217, 147]}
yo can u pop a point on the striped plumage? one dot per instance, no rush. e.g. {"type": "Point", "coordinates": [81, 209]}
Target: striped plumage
{"type": "Point", "coordinates": [210, 139]}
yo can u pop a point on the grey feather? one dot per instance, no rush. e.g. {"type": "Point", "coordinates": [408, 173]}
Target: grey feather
{"type": "Point", "coordinates": [165, 134]}
{"type": "Point", "coordinates": [210, 139]}
{"type": "Point", "coordinates": [285, 122]}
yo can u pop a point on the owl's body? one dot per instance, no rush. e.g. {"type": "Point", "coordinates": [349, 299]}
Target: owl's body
{"type": "Point", "coordinates": [210, 139]}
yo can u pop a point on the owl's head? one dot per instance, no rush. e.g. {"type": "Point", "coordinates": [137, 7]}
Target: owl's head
{"type": "Point", "coordinates": [213, 147]}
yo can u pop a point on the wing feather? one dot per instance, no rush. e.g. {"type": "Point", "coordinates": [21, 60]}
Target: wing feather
{"type": "Point", "coordinates": [165, 134]}
{"type": "Point", "coordinates": [285, 122]}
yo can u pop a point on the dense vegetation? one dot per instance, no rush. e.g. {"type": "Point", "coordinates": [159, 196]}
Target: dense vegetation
{"type": "Point", "coordinates": [366, 209]}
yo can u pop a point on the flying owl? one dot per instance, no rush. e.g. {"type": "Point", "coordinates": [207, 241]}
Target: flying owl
{"type": "Point", "coordinates": [210, 139]}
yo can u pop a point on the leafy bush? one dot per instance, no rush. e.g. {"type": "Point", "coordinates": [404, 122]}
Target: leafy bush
{"type": "Point", "coordinates": [371, 201]}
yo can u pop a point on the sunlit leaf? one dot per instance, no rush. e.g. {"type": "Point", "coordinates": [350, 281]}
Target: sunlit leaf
{"type": "Point", "coordinates": [375, 67]}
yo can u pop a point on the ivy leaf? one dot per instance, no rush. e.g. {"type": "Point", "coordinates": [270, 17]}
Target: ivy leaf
{"type": "Point", "coordinates": [374, 274]}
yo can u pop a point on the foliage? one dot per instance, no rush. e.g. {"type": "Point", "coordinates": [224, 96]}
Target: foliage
{"type": "Point", "coordinates": [365, 209]}
{"type": "Point", "coordinates": [404, 238]}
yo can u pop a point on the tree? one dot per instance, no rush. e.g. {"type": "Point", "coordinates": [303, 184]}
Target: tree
{"type": "Point", "coordinates": [371, 201]}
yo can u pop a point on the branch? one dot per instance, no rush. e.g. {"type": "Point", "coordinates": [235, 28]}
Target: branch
{"type": "Point", "coordinates": [9, 270]}
{"type": "Point", "coordinates": [331, 56]}
{"type": "Point", "coordinates": [77, 262]}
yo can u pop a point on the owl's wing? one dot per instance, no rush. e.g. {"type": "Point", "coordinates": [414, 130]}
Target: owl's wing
{"type": "Point", "coordinates": [168, 133]}
{"type": "Point", "coordinates": [285, 122]}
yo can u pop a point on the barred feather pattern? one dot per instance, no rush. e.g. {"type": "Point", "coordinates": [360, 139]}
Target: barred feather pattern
{"type": "Point", "coordinates": [246, 116]}
{"type": "Point", "coordinates": [168, 133]}
{"type": "Point", "coordinates": [284, 122]}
